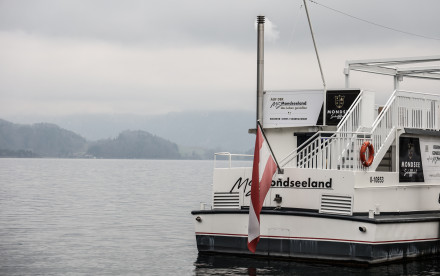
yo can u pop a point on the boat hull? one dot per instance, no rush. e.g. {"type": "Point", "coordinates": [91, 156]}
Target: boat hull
{"type": "Point", "coordinates": [315, 236]}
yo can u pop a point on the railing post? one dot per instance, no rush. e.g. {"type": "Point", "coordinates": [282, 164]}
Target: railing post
{"type": "Point", "coordinates": [319, 156]}
{"type": "Point", "coordinates": [399, 115]}
{"type": "Point", "coordinates": [436, 115]}
{"type": "Point", "coordinates": [397, 149]}
{"type": "Point", "coordinates": [424, 115]}
{"type": "Point", "coordinates": [338, 150]}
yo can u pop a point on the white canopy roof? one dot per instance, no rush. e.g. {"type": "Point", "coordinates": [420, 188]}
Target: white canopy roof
{"type": "Point", "coordinates": [397, 67]}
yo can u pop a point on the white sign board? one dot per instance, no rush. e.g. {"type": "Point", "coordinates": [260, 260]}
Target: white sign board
{"type": "Point", "coordinates": [430, 151]}
{"type": "Point", "coordinates": [292, 108]}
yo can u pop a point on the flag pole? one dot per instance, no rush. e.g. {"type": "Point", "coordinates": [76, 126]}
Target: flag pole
{"type": "Point", "coordinates": [260, 82]}
{"type": "Point", "coordinates": [280, 171]}
{"type": "Point", "coordinates": [260, 66]}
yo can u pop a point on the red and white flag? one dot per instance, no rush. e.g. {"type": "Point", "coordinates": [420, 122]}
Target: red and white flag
{"type": "Point", "coordinates": [263, 171]}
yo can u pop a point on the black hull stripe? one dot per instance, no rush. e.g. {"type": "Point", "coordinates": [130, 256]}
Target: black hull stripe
{"type": "Point", "coordinates": [322, 239]}
{"type": "Point", "coordinates": [328, 250]}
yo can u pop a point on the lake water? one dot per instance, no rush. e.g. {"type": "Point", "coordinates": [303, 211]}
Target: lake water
{"type": "Point", "coordinates": [125, 217]}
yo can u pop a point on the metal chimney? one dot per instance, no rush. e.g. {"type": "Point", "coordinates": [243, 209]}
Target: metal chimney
{"type": "Point", "coordinates": [260, 68]}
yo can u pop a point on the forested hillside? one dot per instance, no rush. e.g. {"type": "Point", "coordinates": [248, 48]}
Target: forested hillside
{"type": "Point", "coordinates": [135, 145]}
{"type": "Point", "coordinates": [49, 140]}
{"type": "Point", "coordinates": [42, 140]}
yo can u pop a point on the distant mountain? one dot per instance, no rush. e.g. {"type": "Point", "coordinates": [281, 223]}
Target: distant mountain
{"type": "Point", "coordinates": [44, 140]}
{"type": "Point", "coordinates": [221, 130]}
{"type": "Point", "coordinates": [135, 145]}
{"type": "Point", "coordinates": [49, 140]}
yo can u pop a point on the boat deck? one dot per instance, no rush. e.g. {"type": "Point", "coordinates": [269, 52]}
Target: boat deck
{"type": "Point", "coordinates": [362, 217]}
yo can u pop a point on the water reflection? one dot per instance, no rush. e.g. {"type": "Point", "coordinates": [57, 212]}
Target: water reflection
{"type": "Point", "coordinates": [217, 264]}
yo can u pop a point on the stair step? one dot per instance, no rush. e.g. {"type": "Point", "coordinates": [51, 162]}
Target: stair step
{"type": "Point", "coordinates": [347, 159]}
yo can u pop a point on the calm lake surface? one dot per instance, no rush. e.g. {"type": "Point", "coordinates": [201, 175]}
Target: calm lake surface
{"type": "Point", "coordinates": [125, 217]}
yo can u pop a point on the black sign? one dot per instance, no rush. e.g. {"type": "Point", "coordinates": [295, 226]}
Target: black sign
{"type": "Point", "coordinates": [410, 160]}
{"type": "Point", "coordinates": [338, 102]}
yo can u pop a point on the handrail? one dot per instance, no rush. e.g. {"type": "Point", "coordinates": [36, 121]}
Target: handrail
{"type": "Point", "coordinates": [317, 144]}
{"type": "Point", "coordinates": [387, 107]}
{"type": "Point", "coordinates": [230, 155]}
{"type": "Point", "coordinates": [350, 111]}
{"type": "Point", "coordinates": [295, 151]}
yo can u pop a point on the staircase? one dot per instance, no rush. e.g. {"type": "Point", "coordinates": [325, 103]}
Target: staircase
{"type": "Point", "coordinates": [386, 164]}
{"type": "Point", "coordinates": [339, 150]}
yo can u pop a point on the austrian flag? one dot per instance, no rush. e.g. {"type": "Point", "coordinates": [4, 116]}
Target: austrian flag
{"type": "Point", "coordinates": [264, 169]}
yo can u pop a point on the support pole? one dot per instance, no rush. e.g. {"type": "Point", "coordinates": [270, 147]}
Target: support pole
{"type": "Point", "coordinates": [319, 63]}
{"type": "Point", "coordinates": [397, 80]}
{"type": "Point", "coordinates": [347, 76]}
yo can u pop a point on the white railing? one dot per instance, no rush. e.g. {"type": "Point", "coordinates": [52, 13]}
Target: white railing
{"type": "Point", "coordinates": [352, 119]}
{"type": "Point", "coordinates": [315, 152]}
{"type": "Point", "coordinates": [340, 150]}
{"type": "Point", "coordinates": [301, 150]}
{"type": "Point", "coordinates": [350, 123]}
{"type": "Point", "coordinates": [417, 110]}
{"type": "Point", "coordinates": [229, 158]}
{"type": "Point", "coordinates": [384, 126]}
{"type": "Point", "coordinates": [403, 110]}
{"type": "Point", "coordinates": [406, 110]}
{"type": "Point", "coordinates": [347, 131]}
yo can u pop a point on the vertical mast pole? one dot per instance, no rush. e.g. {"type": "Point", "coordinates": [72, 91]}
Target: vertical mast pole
{"type": "Point", "coordinates": [260, 68]}
{"type": "Point", "coordinates": [319, 63]}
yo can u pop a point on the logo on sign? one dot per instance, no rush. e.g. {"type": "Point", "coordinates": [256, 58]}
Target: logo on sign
{"type": "Point", "coordinates": [410, 150]}
{"type": "Point", "coordinates": [339, 101]}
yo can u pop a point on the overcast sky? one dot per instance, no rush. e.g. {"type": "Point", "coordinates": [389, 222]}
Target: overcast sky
{"type": "Point", "coordinates": [159, 56]}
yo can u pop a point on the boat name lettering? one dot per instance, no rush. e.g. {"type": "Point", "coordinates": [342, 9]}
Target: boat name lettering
{"type": "Point", "coordinates": [342, 112]}
{"type": "Point", "coordinates": [306, 184]}
{"type": "Point", "coordinates": [242, 183]}
{"type": "Point", "coordinates": [409, 164]}
{"type": "Point", "coordinates": [309, 184]}
{"type": "Point", "coordinates": [336, 114]}
{"type": "Point", "coordinates": [289, 105]}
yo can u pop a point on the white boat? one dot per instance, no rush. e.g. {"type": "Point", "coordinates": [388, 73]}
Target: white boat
{"type": "Point", "coordinates": [329, 203]}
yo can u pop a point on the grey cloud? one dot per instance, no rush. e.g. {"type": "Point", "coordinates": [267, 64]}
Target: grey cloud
{"type": "Point", "coordinates": [174, 22]}
{"type": "Point", "coordinates": [157, 56]}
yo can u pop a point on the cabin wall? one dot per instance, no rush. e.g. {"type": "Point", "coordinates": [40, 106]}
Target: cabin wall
{"type": "Point", "coordinates": [382, 192]}
{"type": "Point", "coordinates": [281, 140]}
{"type": "Point", "coordinates": [298, 188]}
{"type": "Point", "coordinates": [229, 181]}
{"type": "Point", "coordinates": [303, 188]}
{"type": "Point", "coordinates": [412, 186]}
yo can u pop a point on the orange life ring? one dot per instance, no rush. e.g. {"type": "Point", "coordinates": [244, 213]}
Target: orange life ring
{"type": "Point", "coordinates": [364, 147]}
